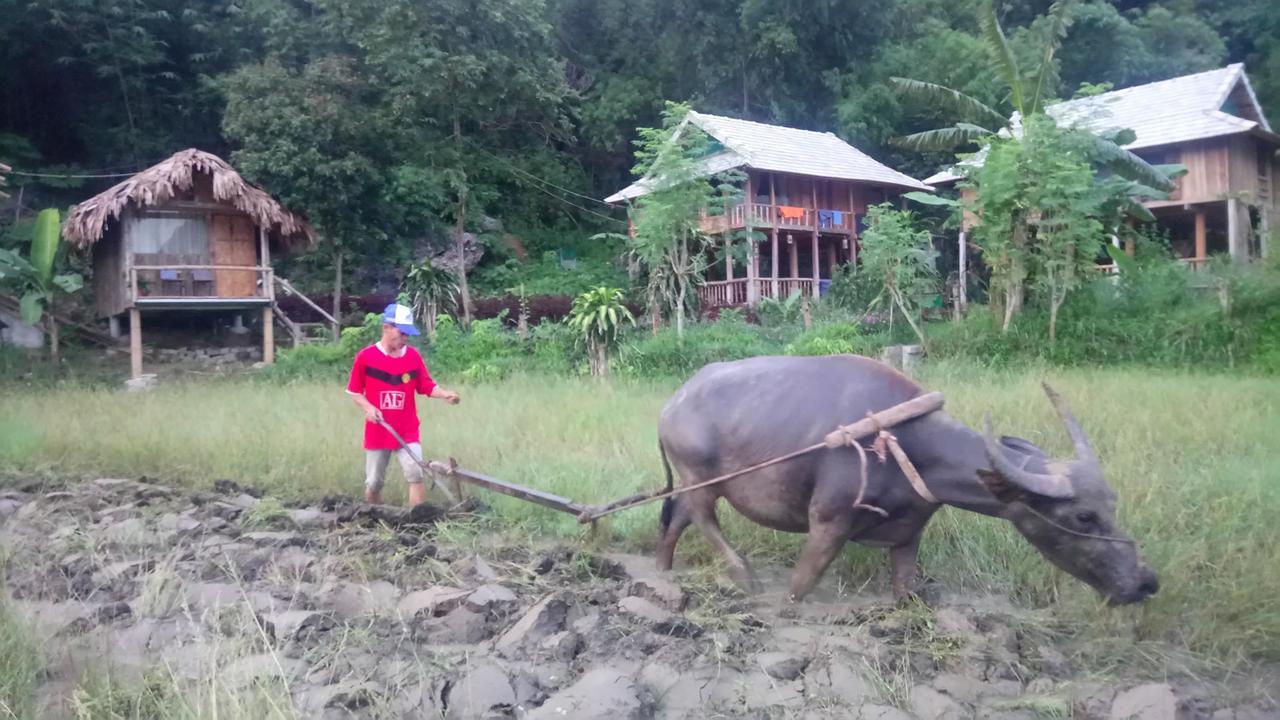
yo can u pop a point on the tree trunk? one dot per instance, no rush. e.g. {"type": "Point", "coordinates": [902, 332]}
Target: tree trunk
{"type": "Point", "coordinates": [805, 313]}
{"type": "Point", "coordinates": [463, 289]}
{"type": "Point", "coordinates": [430, 319]}
{"type": "Point", "coordinates": [337, 287]}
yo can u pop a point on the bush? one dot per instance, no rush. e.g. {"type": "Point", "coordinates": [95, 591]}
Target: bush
{"type": "Point", "coordinates": [328, 359]}
{"type": "Point", "coordinates": [832, 339]}
{"type": "Point", "coordinates": [665, 355]}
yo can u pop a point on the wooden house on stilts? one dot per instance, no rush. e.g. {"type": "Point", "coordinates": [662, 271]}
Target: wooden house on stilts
{"type": "Point", "coordinates": [186, 235]}
{"type": "Point", "coordinates": [807, 192]}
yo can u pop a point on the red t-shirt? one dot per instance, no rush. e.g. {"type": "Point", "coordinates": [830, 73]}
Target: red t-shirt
{"type": "Point", "coordinates": [389, 383]}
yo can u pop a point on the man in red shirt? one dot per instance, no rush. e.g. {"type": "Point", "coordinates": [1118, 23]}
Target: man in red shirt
{"type": "Point", "coordinates": [383, 381]}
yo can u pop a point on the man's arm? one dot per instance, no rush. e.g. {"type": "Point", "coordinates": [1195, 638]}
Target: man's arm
{"type": "Point", "coordinates": [427, 386]}
{"type": "Point", "coordinates": [371, 413]}
{"type": "Point", "coordinates": [440, 393]}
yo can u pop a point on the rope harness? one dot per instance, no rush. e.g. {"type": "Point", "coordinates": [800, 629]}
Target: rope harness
{"type": "Point", "coordinates": [885, 444]}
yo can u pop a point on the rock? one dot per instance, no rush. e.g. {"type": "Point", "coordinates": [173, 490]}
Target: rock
{"type": "Point", "coordinates": [263, 668]}
{"type": "Point", "coordinates": [432, 602]}
{"type": "Point", "coordinates": [492, 599]}
{"type": "Point", "coordinates": [929, 704]}
{"type": "Point", "coordinates": [587, 624]}
{"type": "Point", "coordinates": [648, 582]}
{"type": "Point", "coordinates": [461, 626]}
{"type": "Point", "coordinates": [1153, 701]}
{"type": "Point", "coordinates": [142, 383]}
{"type": "Point", "coordinates": [296, 624]}
{"type": "Point", "coordinates": [659, 619]}
{"type": "Point", "coordinates": [563, 646]}
{"type": "Point", "coordinates": [601, 694]}
{"type": "Point", "coordinates": [484, 692]}
{"type": "Point", "coordinates": [275, 539]}
{"type": "Point", "coordinates": [546, 617]}
{"type": "Point", "coordinates": [307, 518]}
{"type": "Point", "coordinates": [782, 666]}
{"type": "Point", "coordinates": [348, 601]}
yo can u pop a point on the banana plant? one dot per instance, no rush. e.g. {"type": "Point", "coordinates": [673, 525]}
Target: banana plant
{"type": "Point", "coordinates": [598, 315]}
{"type": "Point", "coordinates": [35, 277]}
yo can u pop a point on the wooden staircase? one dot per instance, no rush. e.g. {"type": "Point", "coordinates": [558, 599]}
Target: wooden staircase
{"type": "Point", "coordinates": [304, 333]}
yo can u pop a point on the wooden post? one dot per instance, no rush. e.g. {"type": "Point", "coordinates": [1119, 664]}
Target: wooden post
{"type": "Point", "coordinates": [1202, 243]}
{"type": "Point", "coordinates": [753, 272]}
{"type": "Point", "coordinates": [774, 266]}
{"type": "Point", "coordinates": [268, 336]}
{"type": "Point", "coordinates": [113, 326]}
{"type": "Point", "coordinates": [831, 260]}
{"type": "Point", "coordinates": [815, 263]}
{"type": "Point", "coordinates": [135, 342]}
{"type": "Point", "coordinates": [1235, 240]}
{"type": "Point", "coordinates": [728, 258]}
{"type": "Point", "coordinates": [964, 270]}
{"type": "Point", "coordinates": [793, 255]}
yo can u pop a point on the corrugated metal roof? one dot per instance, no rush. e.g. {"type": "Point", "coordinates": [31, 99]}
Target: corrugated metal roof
{"type": "Point", "coordinates": [1177, 110]}
{"type": "Point", "coordinates": [774, 148]}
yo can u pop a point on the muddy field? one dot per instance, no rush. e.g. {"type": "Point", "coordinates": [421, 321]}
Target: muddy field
{"type": "Point", "coordinates": [377, 613]}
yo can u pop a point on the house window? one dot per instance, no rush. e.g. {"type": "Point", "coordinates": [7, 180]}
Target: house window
{"type": "Point", "coordinates": [170, 235]}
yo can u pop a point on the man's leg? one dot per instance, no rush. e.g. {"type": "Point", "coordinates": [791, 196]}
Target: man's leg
{"type": "Point", "coordinates": [413, 473]}
{"type": "Point", "coordinates": [375, 473]}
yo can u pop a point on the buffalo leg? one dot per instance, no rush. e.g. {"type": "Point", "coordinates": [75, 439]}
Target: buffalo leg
{"type": "Point", "coordinates": [826, 537]}
{"type": "Point", "coordinates": [903, 561]}
{"type": "Point", "coordinates": [702, 505]}
{"type": "Point", "coordinates": [680, 519]}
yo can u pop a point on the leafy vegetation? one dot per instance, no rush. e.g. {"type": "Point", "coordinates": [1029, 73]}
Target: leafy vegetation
{"type": "Point", "coordinates": [598, 316]}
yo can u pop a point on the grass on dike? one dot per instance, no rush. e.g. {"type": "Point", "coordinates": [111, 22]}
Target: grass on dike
{"type": "Point", "coordinates": [1192, 457]}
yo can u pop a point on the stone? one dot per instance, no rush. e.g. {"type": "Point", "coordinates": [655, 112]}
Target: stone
{"type": "Point", "coordinates": [545, 618]}
{"type": "Point", "coordinates": [648, 581]}
{"type": "Point", "coordinates": [1153, 701]}
{"type": "Point", "coordinates": [432, 602]}
{"type": "Point", "coordinates": [492, 599]}
{"type": "Point", "coordinates": [587, 624]}
{"type": "Point", "coordinates": [602, 693]}
{"type": "Point", "coordinates": [477, 568]}
{"type": "Point", "coordinates": [483, 692]}
{"type": "Point", "coordinates": [929, 704]}
{"type": "Point", "coordinates": [782, 666]}
{"type": "Point", "coordinates": [296, 624]}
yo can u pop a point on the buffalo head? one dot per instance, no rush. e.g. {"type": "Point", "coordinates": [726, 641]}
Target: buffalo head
{"type": "Point", "coordinates": [1068, 511]}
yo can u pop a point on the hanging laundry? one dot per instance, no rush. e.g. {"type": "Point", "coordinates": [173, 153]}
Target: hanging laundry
{"type": "Point", "coordinates": [791, 212]}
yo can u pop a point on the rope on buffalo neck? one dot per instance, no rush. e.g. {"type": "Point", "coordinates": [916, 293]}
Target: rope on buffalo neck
{"type": "Point", "coordinates": [1065, 529]}
{"type": "Point", "coordinates": [885, 441]}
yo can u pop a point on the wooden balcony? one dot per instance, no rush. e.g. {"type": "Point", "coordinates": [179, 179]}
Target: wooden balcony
{"type": "Point", "coordinates": [199, 285]}
{"type": "Point", "coordinates": [731, 293]}
{"type": "Point", "coordinates": [783, 217]}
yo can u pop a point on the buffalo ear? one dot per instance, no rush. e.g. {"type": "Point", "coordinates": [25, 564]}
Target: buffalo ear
{"type": "Point", "coordinates": [999, 486]}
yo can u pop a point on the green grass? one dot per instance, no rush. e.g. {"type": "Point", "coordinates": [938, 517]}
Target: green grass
{"type": "Point", "coordinates": [1192, 457]}
{"type": "Point", "coordinates": [19, 667]}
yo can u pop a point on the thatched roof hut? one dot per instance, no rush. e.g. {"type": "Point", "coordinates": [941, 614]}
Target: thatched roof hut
{"type": "Point", "coordinates": [178, 176]}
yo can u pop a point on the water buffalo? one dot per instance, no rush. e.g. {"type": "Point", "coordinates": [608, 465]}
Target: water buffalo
{"type": "Point", "coordinates": [733, 415]}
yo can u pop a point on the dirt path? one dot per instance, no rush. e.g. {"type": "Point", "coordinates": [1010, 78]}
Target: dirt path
{"type": "Point", "coordinates": [370, 613]}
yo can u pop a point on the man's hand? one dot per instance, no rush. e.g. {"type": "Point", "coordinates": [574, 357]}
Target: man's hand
{"type": "Point", "coordinates": [448, 396]}
{"type": "Point", "coordinates": [373, 414]}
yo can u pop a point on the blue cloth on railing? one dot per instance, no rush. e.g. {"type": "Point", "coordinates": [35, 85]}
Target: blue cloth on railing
{"type": "Point", "coordinates": [168, 274]}
{"type": "Point", "coordinates": [830, 218]}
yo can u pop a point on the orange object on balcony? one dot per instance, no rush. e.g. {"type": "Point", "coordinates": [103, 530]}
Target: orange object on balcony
{"type": "Point", "coordinates": [791, 212]}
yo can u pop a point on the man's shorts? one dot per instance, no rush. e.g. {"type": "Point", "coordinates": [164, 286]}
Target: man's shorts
{"type": "Point", "coordinates": [375, 466]}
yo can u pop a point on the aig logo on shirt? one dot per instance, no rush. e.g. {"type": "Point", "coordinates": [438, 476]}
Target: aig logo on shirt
{"type": "Point", "coordinates": [391, 400]}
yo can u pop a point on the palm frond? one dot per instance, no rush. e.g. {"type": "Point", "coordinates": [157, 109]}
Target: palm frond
{"type": "Point", "coordinates": [1126, 164]}
{"type": "Point", "coordinates": [942, 138]}
{"type": "Point", "coordinates": [1059, 22]}
{"type": "Point", "coordinates": [999, 47]}
{"type": "Point", "coordinates": [964, 107]}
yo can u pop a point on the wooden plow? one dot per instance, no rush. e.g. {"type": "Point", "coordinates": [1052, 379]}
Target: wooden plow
{"type": "Point", "coordinates": [842, 436]}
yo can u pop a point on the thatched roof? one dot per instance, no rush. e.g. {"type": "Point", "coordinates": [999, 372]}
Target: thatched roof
{"type": "Point", "coordinates": [172, 178]}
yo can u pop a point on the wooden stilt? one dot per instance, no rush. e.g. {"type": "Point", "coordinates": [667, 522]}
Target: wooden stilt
{"type": "Point", "coordinates": [1202, 243]}
{"type": "Point", "coordinates": [1235, 235]}
{"type": "Point", "coordinates": [113, 326]}
{"type": "Point", "coordinates": [135, 342]}
{"type": "Point", "coordinates": [774, 264]}
{"type": "Point", "coordinates": [793, 253]}
{"type": "Point", "coordinates": [268, 336]}
{"type": "Point", "coordinates": [815, 263]}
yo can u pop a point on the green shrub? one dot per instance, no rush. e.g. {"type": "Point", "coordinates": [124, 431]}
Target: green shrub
{"type": "Point", "coordinates": [488, 352]}
{"type": "Point", "coordinates": [665, 355]}
{"type": "Point", "coordinates": [831, 339]}
{"type": "Point", "coordinates": [327, 359]}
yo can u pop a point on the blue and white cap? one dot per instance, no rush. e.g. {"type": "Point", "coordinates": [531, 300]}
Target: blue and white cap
{"type": "Point", "coordinates": [400, 316]}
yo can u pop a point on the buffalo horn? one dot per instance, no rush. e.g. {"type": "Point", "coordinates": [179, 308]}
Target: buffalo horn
{"type": "Point", "coordinates": [1084, 451]}
{"type": "Point", "coordinates": [1053, 486]}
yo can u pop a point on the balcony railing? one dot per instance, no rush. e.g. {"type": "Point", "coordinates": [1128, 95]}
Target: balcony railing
{"type": "Point", "coordinates": [728, 293]}
{"type": "Point", "coordinates": [177, 282]}
{"type": "Point", "coordinates": [784, 217]}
